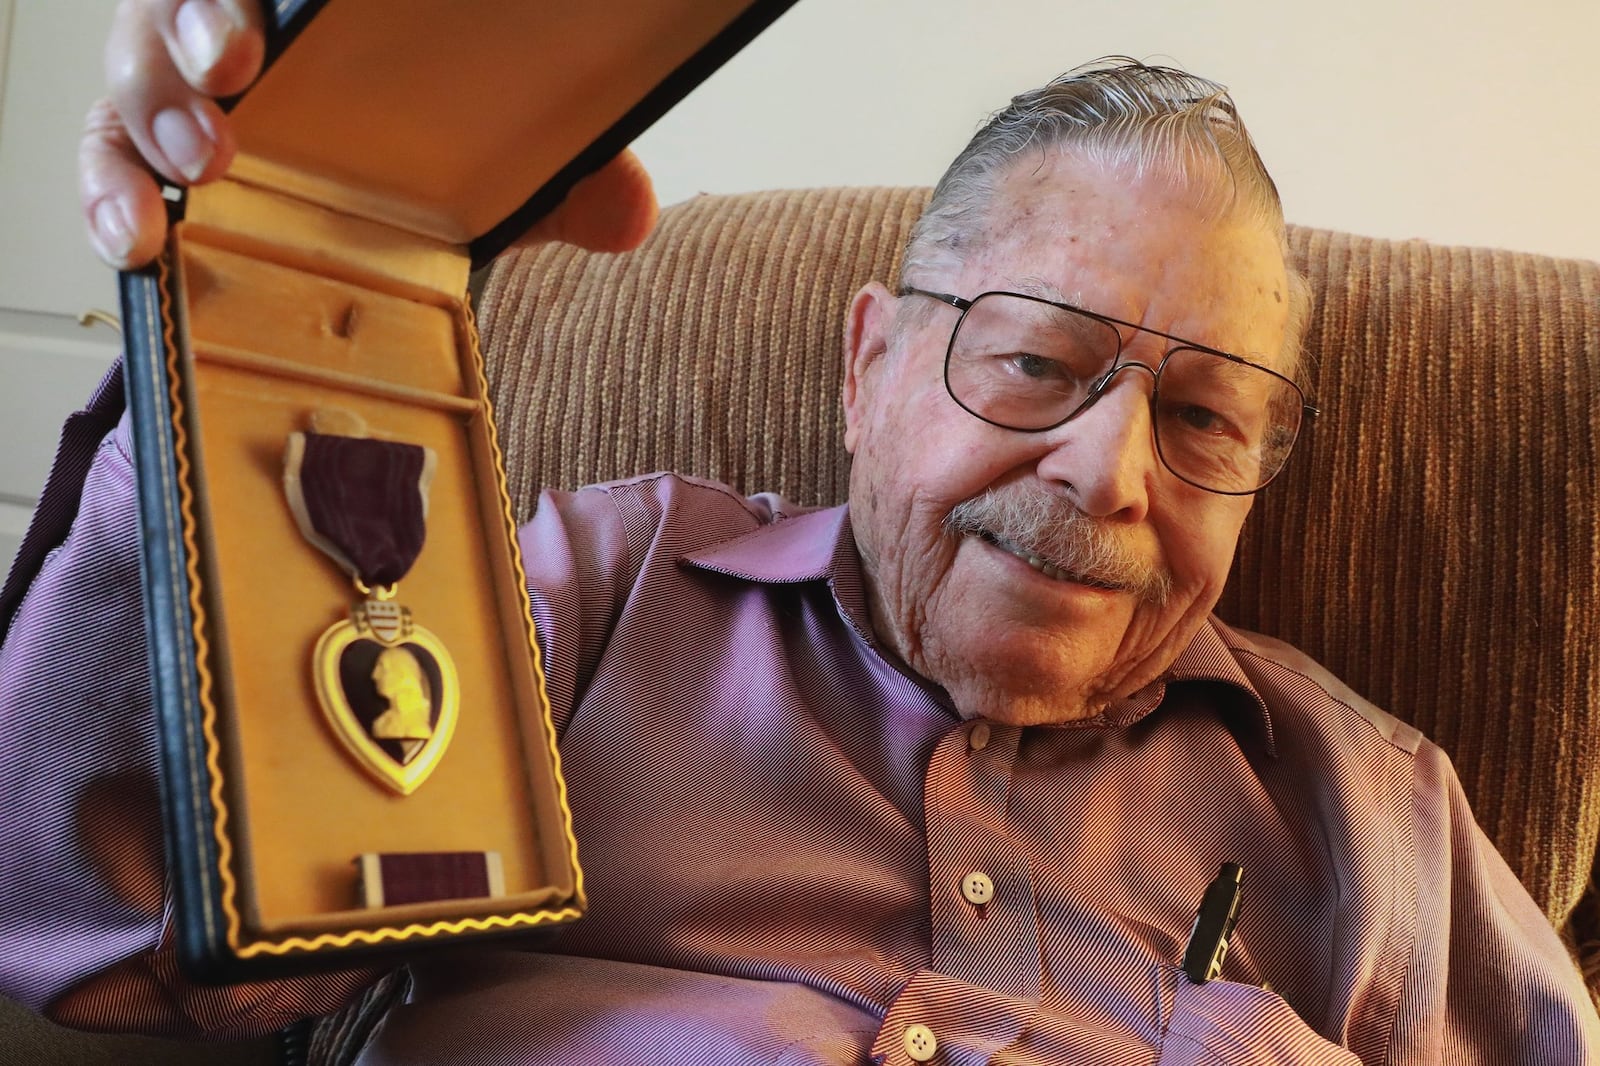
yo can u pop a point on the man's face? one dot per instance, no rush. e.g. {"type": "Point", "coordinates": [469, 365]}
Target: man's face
{"type": "Point", "coordinates": [384, 676]}
{"type": "Point", "coordinates": [1008, 640]}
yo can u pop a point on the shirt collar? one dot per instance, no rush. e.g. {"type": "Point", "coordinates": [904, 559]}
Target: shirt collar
{"type": "Point", "coordinates": [809, 546]}
{"type": "Point", "coordinates": [802, 547]}
{"type": "Point", "coordinates": [818, 546]}
{"type": "Point", "coordinates": [1209, 658]}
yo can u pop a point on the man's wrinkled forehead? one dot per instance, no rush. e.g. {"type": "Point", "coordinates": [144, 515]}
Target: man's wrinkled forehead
{"type": "Point", "coordinates": [1044, 289]}
{"type": "Point", "coordinates": [1083, 227]}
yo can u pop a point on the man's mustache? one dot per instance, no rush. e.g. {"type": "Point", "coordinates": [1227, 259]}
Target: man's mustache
{"type": "Point", "coordinates": [1030, 521]}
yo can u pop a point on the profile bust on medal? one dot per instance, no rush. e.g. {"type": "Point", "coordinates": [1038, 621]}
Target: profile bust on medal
{"type": "Point", "coordinates": [398, 679]}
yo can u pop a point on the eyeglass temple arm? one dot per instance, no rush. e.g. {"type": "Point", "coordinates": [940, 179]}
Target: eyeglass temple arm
{"type": "Point", "coordinates": [943, 297]}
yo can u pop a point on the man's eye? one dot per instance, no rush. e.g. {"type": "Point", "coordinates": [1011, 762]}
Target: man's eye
{"type": "Point", "coordinates": [1036, 366]}
{"type": "Point", "coordinates": [1200, 419]}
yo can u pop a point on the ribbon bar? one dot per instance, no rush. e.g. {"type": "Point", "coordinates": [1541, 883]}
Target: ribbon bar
{"type": "Point", "coordinates": [393, 879]}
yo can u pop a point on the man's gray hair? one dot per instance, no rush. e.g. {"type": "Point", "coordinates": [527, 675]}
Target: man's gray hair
{"type": "Point", "coordinates": [1115, 112]}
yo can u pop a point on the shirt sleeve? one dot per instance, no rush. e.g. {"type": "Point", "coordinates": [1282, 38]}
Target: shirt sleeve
{"type": "Point", "coordinates": [1490, 981]}
{"type": "Point", "coordinates": [84, 896]}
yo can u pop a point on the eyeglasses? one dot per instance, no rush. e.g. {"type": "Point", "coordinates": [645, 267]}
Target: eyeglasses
{"type": "Point", "coordinates": [1221, 423]}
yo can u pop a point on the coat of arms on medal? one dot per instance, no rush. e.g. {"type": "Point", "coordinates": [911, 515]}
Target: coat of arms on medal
{"type": "Point", "coordinates": [387, 687]}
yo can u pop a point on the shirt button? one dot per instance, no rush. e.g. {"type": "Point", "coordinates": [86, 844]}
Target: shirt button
{"type": "Point", "coordinates": [978, 737]}
{"type": "Point", "coordinates": [920, 1044]}
{"type": "Point", "coordinates": [977, 887]}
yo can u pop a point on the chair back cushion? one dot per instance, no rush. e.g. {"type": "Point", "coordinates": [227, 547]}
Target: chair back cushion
{"type": "Point", "coordinates": [1435, 541]}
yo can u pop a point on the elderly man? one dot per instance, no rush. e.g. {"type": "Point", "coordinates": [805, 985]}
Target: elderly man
{"type": "Point", "coordinates": [939, 776]}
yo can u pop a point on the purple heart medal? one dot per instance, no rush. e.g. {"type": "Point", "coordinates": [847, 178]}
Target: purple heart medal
{"type": "Point", "coordinates": [388, 688]}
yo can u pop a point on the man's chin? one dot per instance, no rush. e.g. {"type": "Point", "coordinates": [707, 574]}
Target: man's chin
{"type": "Point", "coordinates": [1006, 704]}
{"type": "Point", "coordinates": [1027, 712]}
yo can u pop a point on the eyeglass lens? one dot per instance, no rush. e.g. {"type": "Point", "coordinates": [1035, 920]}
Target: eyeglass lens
{"type": "Point", "coordinates": [1027, 364]}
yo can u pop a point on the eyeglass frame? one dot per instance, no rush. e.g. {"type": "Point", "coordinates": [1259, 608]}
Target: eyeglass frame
{"type": "Point", "coordinates": [1308, 411]}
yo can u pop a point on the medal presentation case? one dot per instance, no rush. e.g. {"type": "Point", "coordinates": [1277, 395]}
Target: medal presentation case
{"type": "Point", "coordinates": [357, 749]}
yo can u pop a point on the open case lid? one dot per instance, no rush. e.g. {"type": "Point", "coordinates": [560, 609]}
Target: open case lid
{"type": "Point", "coordinates": [466, 122]}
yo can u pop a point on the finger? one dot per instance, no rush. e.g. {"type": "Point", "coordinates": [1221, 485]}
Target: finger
{"type": "Point", "coordinates": [121, 202]}
{"type": "Point", "coordinates": [217, 44]}
{"type": "Point", "coordinates": [165, 61]}
{"type": "Point", "coordinates": [612, 210]}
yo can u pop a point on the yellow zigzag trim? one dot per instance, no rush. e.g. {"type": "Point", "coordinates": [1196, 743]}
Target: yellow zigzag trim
{"type": "Point", "coordinates": [520, 572]}
{"type": "Point", "coordinates": [192, 568]}
{"type": "Point", "coordinates": [378, 936]}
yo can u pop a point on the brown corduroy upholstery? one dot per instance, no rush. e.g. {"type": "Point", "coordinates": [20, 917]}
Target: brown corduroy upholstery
{"type": "Point", "coordinates": [1435, 542]}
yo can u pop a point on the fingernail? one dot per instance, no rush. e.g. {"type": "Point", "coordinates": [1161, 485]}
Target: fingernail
{"type": "Point", "coordinates": [183, 141]}
{"type": "Point", "coordinates": [202, 35]}
{"type": "Point", "coordinates": [111, 233]}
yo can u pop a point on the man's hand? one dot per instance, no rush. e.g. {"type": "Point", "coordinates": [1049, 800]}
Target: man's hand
{"type": "Point", "coordinates": [167, 61]}
{"type": "Point", "coordinates": [612, 210]}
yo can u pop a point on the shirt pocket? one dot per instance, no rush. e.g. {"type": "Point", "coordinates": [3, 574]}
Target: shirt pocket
{"type": "Point", "coordinates": [1223, 1023]}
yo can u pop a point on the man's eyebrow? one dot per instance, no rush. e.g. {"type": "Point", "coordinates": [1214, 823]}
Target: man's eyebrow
{"type": "Point", "coordinates": [1033, 285]}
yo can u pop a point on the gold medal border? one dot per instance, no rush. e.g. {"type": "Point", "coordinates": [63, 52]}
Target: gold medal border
{"type": "Point", "coordinates": [403, 778]}
{"type": "Point", "coordinates": [208, 719]}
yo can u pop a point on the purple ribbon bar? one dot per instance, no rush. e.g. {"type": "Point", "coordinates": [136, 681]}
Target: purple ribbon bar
{"type": "Point", "coordinates": [391, 879]}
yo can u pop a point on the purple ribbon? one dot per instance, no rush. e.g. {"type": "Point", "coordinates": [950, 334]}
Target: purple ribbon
{"type": "Point", "coordinates": [365, 497]}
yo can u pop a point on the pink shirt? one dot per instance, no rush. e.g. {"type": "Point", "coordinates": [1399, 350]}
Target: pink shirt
{"type": "Point", "coordinates": [796, 852]}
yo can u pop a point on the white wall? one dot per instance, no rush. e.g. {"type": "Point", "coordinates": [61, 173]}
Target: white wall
{"type": "Point", "coordinates": [53, 71]}
{"type": "Point", "coordinates": [1465, 121]}
{"type": "Point", "coordinates": [49, 72]}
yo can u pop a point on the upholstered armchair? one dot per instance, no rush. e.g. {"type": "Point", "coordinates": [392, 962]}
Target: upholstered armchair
{"type": "Point", "coordinates": [1435, 541]}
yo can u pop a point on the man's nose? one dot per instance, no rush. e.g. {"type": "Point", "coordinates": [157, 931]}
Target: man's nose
{"type": "Point", "coordinates": [1107, 453]}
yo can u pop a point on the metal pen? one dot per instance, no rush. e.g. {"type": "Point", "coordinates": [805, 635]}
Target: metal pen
{"type": "Point", "coordinates": [1213, 925]}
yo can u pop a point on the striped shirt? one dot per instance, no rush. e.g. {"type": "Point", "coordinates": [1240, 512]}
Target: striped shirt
{"type": "Point", "coordinates": [796, 851]}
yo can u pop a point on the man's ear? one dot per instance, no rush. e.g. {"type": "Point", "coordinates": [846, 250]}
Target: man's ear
{"type": "Point", "coordinates": [866, 339]}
